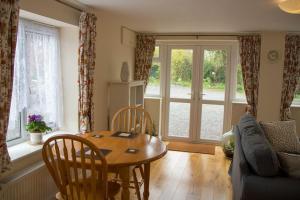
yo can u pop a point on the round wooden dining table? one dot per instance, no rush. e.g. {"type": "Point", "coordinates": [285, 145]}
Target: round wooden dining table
{"type": "Point", "coordinates": [148, 149]}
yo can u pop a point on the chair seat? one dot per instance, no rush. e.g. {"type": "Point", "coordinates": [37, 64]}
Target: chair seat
{"type": "Point", "coordinates": [113, 189]}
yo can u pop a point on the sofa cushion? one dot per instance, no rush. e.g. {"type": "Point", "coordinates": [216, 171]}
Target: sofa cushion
{"type": "Point", "coordinates": [266, 188]}
{"type": "Point", "coordinates": [257, 150]}
{"type": "Point", "coordinates": [282, 135]}
{"type": "Point", "coordinates": [290, 163]}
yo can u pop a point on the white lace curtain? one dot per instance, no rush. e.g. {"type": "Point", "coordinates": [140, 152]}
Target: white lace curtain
{"type": "Point", "coordinates": [37, 77]}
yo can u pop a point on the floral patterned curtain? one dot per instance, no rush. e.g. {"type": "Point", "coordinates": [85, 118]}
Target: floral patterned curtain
{"type": "Point", "coordinates": [250, 63]}
{"type": "Point", "coordinates": [9, 17]}
{"type": "Point", "coordinates": [291, 74]}
{"type": "Point", "coordinates": [87, 55]}
{"type": "Point", "coordinates": [144, 51]}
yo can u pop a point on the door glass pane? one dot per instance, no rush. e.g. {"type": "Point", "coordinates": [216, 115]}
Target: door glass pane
{"type": "Point", "coordinates": [179, 119]}
{"type": "Point", "coordinates": [215, 62]}
{"type": "Point", "coordinates": [181, 73]}
{"type": "Point", "coordinates": [212, 122]}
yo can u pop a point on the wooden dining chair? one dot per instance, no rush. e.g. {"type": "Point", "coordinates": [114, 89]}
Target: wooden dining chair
{"type": "Point", "coordinates": [136, 120]}
{"type": "Point", "coordinates": [78, 169]}
{"type": "Point", "coordinates": [132, 119]}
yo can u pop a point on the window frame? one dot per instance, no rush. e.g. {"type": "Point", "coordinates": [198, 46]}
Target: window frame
{"type": "Point", "coordinates": [295, 103]}
{"type": "Point", "coordinates": [235, 99]}
{"type": "Point", "coordinates": [159, 60]}
{"type": "Point", "coordinates": [24, 135]}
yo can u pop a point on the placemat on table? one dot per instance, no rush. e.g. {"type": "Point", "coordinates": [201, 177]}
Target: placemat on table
{"type": "Point", "coordinates": [87, 152]}
{"type": "Point", "coordinates": [122, 134]}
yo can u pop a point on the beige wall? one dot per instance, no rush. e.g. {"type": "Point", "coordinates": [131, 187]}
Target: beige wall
{"type": "Point", "coordinates": [238, 109]}
{"type": "Point", "coordinates": [270, 81]}
{"type": "Point", "coordinates": [110, 55]}
{"type": "Point", "coordinates": [51, 9]}
{"type": "Point", "coordinates": [153, 106]}
{"type": "Point", "coordinates": [69, 62]}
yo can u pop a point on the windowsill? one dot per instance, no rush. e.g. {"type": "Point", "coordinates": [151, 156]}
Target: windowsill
{"type": "Point", "coordinates": [153, 97]}
{"type": "Point", "coordinates": [295, 105]}
{"type": "Point", "coordinates": [24, 149]}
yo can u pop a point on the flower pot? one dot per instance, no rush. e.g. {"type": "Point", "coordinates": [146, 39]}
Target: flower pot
{"type": "Point", "coordinates": [36, 138]}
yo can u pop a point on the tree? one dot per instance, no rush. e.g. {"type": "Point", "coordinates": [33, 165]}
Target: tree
{"type": "Point", "coordinates": [181, 67]}
{"type": "Point", "coordinates": [214, 68]}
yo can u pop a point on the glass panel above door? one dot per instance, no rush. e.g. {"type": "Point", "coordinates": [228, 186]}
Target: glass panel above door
{"type": "Point", "coordinates": [181, 73]}
{"type": "Point", "coordinates": [214, 71]}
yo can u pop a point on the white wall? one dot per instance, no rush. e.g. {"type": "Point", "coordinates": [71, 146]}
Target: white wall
{"type": "Point", "coordinates": [110, 55]}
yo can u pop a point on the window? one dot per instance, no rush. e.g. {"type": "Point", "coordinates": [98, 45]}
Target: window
{"type": "Point", "coordinates": [37, 79]}
{"type": "Point", "coordinates": [239, 91]}
{"type": "Point", "coordinates": [153, 87]}
{"type": "Point", "coordinates": [296, 100]}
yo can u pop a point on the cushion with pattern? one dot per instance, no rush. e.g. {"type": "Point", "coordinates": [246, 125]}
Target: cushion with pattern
{"type": "Point", "coordinates": [282, 135]}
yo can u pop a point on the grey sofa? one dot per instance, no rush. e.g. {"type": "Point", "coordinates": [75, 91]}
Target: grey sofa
{"type": "Point", "coordinates": [249, 186]}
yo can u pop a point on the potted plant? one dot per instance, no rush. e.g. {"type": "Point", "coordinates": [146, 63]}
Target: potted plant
{"type": "Point", "coordinates": [228, 144]}
{"type": "Point", "coordinates": [36, 127]}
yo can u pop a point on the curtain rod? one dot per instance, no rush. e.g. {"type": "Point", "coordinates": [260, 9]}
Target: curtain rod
{"type": "Point", "coordinates": [69, 5]}
{"type": "Point", "coordinates": [207, 35]}
{"type": "Point", "coordinates": [198, 35]}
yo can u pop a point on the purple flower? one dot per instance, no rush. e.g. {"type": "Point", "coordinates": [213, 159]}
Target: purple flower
{"type": "Point", "coordinates": [35, 118]}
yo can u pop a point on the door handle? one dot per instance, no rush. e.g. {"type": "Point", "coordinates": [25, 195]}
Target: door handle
{"type": "Point", "coordinates": [201, 96]}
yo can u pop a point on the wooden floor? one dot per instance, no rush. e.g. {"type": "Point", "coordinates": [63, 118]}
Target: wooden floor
{"type": "Point", "coordinates": [190, 176]}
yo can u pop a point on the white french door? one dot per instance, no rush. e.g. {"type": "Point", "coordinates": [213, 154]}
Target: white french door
{"type": "Point", "coordinates": [198, 93]}
{"type": "Point", "coordinates": [180, 91]}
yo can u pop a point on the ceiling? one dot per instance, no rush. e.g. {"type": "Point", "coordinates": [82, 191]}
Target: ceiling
{"type": "Point", "coordinates": [184, 16]}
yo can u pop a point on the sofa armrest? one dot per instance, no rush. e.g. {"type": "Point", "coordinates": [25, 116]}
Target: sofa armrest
{"type": "Point", "coordinates": [240, 168]}
{"type": "Point", "coordinates": [239, 156]}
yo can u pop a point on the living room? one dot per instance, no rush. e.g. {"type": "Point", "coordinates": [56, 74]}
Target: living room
{"type": "Point", "coordinates": [201, 73]}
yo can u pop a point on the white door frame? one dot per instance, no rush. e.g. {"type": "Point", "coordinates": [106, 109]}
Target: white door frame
{"type": "Point", "coordinates": [195, 117]}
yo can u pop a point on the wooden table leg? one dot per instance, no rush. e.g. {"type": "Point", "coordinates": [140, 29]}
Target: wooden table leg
{"type": "Point", "coordinates": [125, 177]}
{"type": "Point", "coordinates": [146, 180]}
